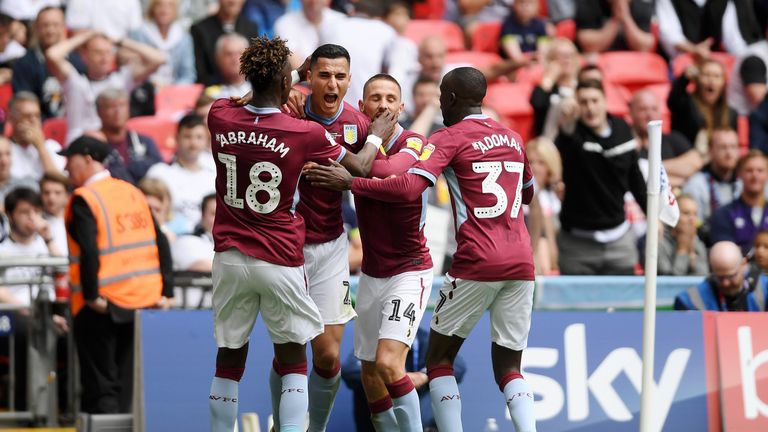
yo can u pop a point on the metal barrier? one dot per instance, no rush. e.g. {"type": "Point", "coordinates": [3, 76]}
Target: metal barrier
{"type": "Point", "coordinates": [42, 379]}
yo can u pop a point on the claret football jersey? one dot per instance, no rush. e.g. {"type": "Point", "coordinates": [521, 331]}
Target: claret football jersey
{"type": "Point", "coordinates": [486, 169]}
{"type": "Point", "coordinates": [321, 208]}
{"type": "Point", "coordinates": [259, 154]}
{"type": "Point", "coordinates": [393, 233]}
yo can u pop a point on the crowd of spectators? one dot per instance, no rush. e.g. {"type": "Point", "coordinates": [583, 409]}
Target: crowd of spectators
{"type": "Point", "coordinates": [77, 67]}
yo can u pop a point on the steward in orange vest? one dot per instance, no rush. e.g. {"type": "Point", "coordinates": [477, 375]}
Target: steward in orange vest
{"type": "Point", "coordinates": [119, 262]}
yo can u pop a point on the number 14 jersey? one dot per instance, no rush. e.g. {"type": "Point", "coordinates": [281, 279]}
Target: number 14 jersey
{"type": "Point", "coordinates": [259, 154]}
{"type": "Point", "coordinates": [486, 169]}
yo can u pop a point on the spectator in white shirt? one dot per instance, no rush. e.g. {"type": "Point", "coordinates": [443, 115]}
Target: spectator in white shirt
{"type": "Point", "coordinates": [26, 10]}
{"type": "Point", "coordinates": [99, 56]}
{"type": "Point", "coordinates": [194, 253]}
{"type": "Point", "coordinates": [229, 48]}
{"type": "Point", "coordinates": [306, 29]}
{"type": "Point", "coordinates": [33, 155]}
{"type": "Point", "coordinates": [187, 177]}
{"type": "Point", "coordinates": [54, 192]}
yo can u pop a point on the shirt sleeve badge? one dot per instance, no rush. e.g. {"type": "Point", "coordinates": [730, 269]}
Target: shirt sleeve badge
{"type": "Point", "coordinates": [414, 143]}
{"type": "Point", "coordinates": [428, 149]}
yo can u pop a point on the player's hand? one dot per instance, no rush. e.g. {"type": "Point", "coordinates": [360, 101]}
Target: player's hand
{"type": "Point", "coordinates": [242, 100]}
{"type": "Point", "coordinates": [334, 177]}
{"type": "Point", "coordinates": [419, 379]}
{"type": "Point", "coordinates": [383, 124]}
{"type": "Point", "coordinates": [296, 101]}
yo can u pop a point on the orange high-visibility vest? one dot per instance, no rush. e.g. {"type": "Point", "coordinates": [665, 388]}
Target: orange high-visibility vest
{"type": "Point", "coordinates": [129, 262]}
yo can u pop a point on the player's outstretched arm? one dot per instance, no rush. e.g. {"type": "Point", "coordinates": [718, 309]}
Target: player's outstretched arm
{"type": "Point", "coordinates": [360, 164]}
{"type": "Point", "coordinates": [404, 188]}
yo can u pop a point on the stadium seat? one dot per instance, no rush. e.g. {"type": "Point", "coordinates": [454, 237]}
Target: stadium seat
{"type": "Point", "coordinates": [566, 29]}
{"type": "Point", "coordinates": [530, 74]}
{"type": "Point", "coordinates": [510, 100]}
{"type": "Point", "coordinates": [662, 92]}
{"type": "Point", "coordinates": [476, 59]}
{"type": "Point", "coordinates": [684, 60]}
{"type": "Point", "coordinates": [633, 70]}
{"type": "Point", "coordinates": [429, 9]}
{"type": "Point", "coordinates": [448, 31]}
{"type": "Point", "coordinates": [485, 37]}
{"type": "Point", "coordinates": [617, 98]}
{"type": "Point", "coordinates": [174, 100]}
{"type": "Point", "coordinates": [161, 130]}
{"type": "Point", "coordinates": [6, 93]}
{"type": "Point", "coordinates": [742, 127]}
{"type": "Point", "coordinates": [56, 129]}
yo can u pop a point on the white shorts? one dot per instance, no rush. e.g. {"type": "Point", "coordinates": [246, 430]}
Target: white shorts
{"type": "Point", "coordinates": [390, 308]}
{"type": "Point", "coordinates": [243, 286]}
{"type": "Point", "coordinates": [327, 268]}
{"type": "Point", "coordinates": [463, 302]}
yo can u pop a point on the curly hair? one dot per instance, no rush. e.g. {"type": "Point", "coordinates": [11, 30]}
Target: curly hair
{"type": "Point", "coordinates": [263, 61]}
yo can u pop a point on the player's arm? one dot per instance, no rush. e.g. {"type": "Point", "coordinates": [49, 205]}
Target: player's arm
{"type": "Point", "coordinates": [401, 161]}
{"type": "Point", "coordinates": [529, 182]}
{"type": "Point", "coordinates": [360, 164]}
{"type": "Point", "coordinates": [404, 188]}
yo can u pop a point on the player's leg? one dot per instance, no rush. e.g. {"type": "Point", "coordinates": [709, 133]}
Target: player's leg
{"type": "Point", "coordinates": [402, 310]}
{"type": "Point", "coordinates": [461, 304]}
{"type": "Point", "coordinates": [327, 269]}
{"type": "Point", "coordinates": [368, 308]}
{"type": "Point", "coordinates": [235, 308]}
{"type": "Point", "coordinates": [325, 377]}
{"type": "Point", "coordinates": [510, 324]}
{"type": "Point", "coordinates": [443, 388]}
{"type": "Point", "coordinates": [379, 400]}
{"type": "Point", "coordinates": [390, 365]}
{"type": "Point", "coordinates": [292, 320]}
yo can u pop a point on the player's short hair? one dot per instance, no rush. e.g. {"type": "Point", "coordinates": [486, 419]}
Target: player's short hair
{"type": "Point", "coordinates": [190, 121]}
{"type": "Point", "coordinates": [590, 84]}
{"type": "Point", "coordinates": [384, 77]}
{"type": "Point", "coordinates": [19, 195]}
{"type": "Point", "coordinates": [206, 200]}
{"type": "Point", "coordinates": [469, 84]}
{"type": "Point", "coordinates": [262, 63]}
{"type": "Point", "coordinates": [329, 51]}
{"type": "Point", "coordinates": [752, 154]}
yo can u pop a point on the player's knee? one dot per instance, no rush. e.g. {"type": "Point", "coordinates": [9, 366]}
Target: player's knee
{"type": "Point", "coordinates": [389, 368]}
{"type": "Point", "coordinates": [325, 358]}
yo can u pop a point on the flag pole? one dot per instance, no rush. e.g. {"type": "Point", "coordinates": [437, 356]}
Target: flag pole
{"type": "Point", "coordinates": [651, 261]}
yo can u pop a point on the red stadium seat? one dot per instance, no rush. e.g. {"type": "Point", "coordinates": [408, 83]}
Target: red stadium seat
{"type": "Point", "coordinates": [6, 93]}
{"type": "Point", "coordinates": [662, 92]}
{"type": "Point", "coordinates": [617, 98]}
{"type": "Point", "coordinates": [742, 127]}
{"type": "Point", "coordinates": [530, 74]}
{"type": "Point", "coordinates": [476, 59]}
{"type": "Point", "coordinates": [56, 129]}
{"type": "Point", "coordinates": [161, 130]}
{"type": "Point", "coordinates": [485, 37]}
{"type": "Point", "coordinates": [173, 100]}
{"type": "Point", "coordinates": [448, 31]}
{"type": "Point", "coordinates": [566, 29]}
{"type": "Point", "coordinates": [633, 70]}
{"type": "Point", "coordinates": [510, 100]}
{"type": "Point", "coordinates": [429, 9]}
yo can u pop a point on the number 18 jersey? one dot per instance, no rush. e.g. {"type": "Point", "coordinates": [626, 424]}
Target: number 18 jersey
{"type": "Point", "coordinates": [259, 154]}
{"type": "Point", "coordinates": [486, 169]}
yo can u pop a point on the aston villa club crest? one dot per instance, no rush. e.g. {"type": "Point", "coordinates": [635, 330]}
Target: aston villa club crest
{"type": "Point", "coordinates": [350, 133]}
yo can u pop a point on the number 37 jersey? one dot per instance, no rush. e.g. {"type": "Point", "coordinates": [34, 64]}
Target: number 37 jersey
{"type": "Point", "coordinates": [486, 169]}
{"type": "Point", "coordinates": [259, 154]}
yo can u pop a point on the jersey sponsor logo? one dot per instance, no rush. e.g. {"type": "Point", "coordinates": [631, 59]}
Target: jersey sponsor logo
{"type": "Point", "coordinates": [414, 143]}
{"type": "Point", "coordinates": [350, 133]}
{"type": "Point", "coordinates": [428, 149]}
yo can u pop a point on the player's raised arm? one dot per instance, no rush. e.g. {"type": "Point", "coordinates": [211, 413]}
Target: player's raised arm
{"type": "Point", "coordinates": [360, 164]}
{"type": "Point", "coordinates": [404, 188]}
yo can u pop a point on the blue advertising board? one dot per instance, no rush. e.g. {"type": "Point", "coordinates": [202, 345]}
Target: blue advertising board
{"type": "Point", "coordinates": [585, 369]}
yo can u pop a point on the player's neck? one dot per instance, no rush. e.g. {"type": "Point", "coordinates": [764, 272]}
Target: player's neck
{"type": "Point", "coordinates": [265, 101]}
{"type": "Point", "coordinates": [319, 110]}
